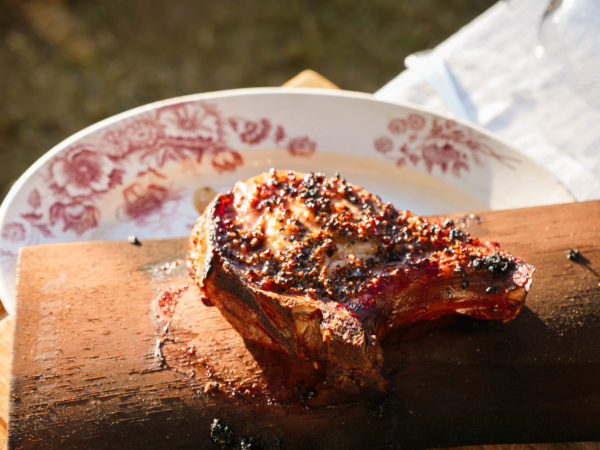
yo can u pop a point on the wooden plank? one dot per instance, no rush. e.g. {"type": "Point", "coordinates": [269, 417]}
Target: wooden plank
{"type": "Point", "coordinates": [6, 329]}
{"type": "Point", "coordinates": [546, 446]}
{"type": "Point", "coordinates": [88, 372]}
{"type": "Point", "coordinates": [6, 341]}
{"type": "Point", "coordinates": [310, 78]}
{"type": "Point", "coordinates": [306, 78]}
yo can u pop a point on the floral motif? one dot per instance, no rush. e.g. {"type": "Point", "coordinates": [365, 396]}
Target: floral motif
{"type": "Point", "coordinates": [130, 151]}
{"type": "Point", "coordinates": [164, 152]}
{"type": "Point", "coordinates": [34, 199]}
{"type": "Point", "coordinates": [75, 216]}
{"type": "Point", "coordinates": [397, 126]}
{"type": "Point", "coordinates": [226, 159]}
{"type": "Point", "coordinates": [256, 132]}
{"type": "Point", "coordinates": [141, 134]}
{"type": "Point", "coordinates": [191, 120]}
{"type": "Point", "coordinates": [136, 135]}
{"type": "Point", "coordinates": [279, 134]}
{"type": "Point", "coordinates": [383, 144]}
{"type": "Point", "coordinates": [444, 155]}
{"type": "Point", "coordinates": [143, 200]}
{"type": "Point", "coordinates": [301, 146]}
{"type": "Point", "coordinates": [14, 232]}
{"type": "Point", "coordinates": [439, 143]}
{"type": "Point", "coordinates": [82, 171]}
{"type": "Point", "coordinates": [416, 122]}
{"type": "Point", "coordinates": [253, 132]}
{"type": "Point", "coordinates": [36, 220]}
{"type": "Point", "coordinates": [412, 157]}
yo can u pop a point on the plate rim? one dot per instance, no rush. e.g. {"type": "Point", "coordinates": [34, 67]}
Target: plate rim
{"type": "Point", "coordinates": [19, 184]}
{"type": "Point", "coordinates": [319, 92]}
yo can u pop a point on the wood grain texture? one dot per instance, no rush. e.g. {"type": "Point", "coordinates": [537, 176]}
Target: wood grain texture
{"type": "Point", "coordinates": [111, 348]}
{"type": "Point", "coordinates": [306, 78]}
{"type": "Point", "coordinates": [6, 340]}
{"type": "Point", "coordinates": [310, 78]}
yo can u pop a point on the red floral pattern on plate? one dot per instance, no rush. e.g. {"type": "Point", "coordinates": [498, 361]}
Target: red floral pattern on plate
{"type": "Point", "coordinates": [302, 146]}
{"type": "Point", "coordinates": [397, 126]}
{"type": "Point", "coordinates": [226, 159]}
{"type": "Point", "coordinates": [142, 201]}
{"type": "Point", "coordinates": [132, 136]}
{"type": "Point", "coordinates": [118, 159]}
{"type": "Point", "coordinates": [34, 199]}
{"type": "Point", "coordinates": [14, 232]}
{"type": "Point", "coordinates": [75, 216]}
{"type": "Point", "coordinates": [191, 121]}
{"type": "Point", "coordinates": [416, 122]}
{"type": "Point", "coordinates": [82, 171]}
{"type": "Point", "coordinates": [384, 144]}
{"type": "Point", "coordinates": [433, 142]}
{"type": "Point", "coordinates": [251, 132]}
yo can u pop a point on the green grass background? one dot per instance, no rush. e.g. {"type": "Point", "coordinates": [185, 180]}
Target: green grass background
{"type": "Point", "coordinates": [67, 64]}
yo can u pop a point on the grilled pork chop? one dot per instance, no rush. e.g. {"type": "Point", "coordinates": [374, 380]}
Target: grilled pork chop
{"type": "Point", "coordinates": [317, 267]}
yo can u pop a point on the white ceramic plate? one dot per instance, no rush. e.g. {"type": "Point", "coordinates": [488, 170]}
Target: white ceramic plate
{"type": "Point", "coordinates": [135, 173]}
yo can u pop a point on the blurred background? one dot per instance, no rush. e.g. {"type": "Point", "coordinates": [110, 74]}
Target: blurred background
{"type": "Point", "coordinates": [65, 64]}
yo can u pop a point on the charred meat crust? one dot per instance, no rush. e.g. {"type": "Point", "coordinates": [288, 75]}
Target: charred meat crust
{"type": "Point", "coordinates": [223, 283]}
{"type": "Point", "coordinates": [282, 323]}
{"type": "Point", "coordinates": [316, 267]}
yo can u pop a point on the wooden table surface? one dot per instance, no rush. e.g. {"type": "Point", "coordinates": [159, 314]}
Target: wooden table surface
{"type": "Point", "coordinates": [6, 337]}
{"type": "Point", "coordinates": [305, 79]}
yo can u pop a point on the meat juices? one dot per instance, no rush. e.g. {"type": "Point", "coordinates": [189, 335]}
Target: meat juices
{"type": "Point", "coordinates": [319, 268]}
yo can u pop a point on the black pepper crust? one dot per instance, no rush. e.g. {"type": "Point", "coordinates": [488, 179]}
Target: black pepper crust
{"type": "Point", "coordinates": [317, 267]}
{"type": "Point", "coordinates": [344, 215]}
{"type": "Point", "coordinates": [205, 262]}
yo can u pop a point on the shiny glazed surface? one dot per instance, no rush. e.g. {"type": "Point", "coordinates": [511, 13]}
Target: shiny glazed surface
{"type": "Point", "coordinates": [332, 259]}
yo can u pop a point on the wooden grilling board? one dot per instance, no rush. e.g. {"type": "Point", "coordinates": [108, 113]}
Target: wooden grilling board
{"type": "Point", "coordinates": [86, 372]}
